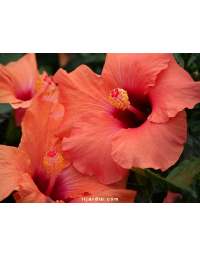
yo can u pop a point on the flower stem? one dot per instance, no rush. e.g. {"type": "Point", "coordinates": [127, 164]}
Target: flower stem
{"type": "Point", "coordinates": [147, 194]}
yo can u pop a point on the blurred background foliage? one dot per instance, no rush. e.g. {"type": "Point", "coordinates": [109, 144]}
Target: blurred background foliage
{"type": "Point", "coordinates": [51, 62]}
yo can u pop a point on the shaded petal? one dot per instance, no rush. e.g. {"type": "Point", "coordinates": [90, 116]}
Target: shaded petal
{"type": "Point", "coordinates": [89, 146]}
{"type": "Point", "coordinates": [19, 114]}
{"type": "Point", "coordinates": [108, 196]}
{"type": "Point", "coordinates": [63, 59]}
{"type": "Point", "coordinates": [28, 192]}
{"type": "Point", "coordinates": [120, 184]}
{"type": "Point", "coordinates": [72, 183]}
{"type": "Point", "coordinates": [151, 145]}
{"type": "Point", "coordinates": [170, 198]}
{"type": "Point", "coordinates": [134, 72]}
{"type": "Point", "coordinates": [81, 91]}
{"type": "Point", "coordinates": [175, 90]}
{"type": "Point", "coordinates": [57, 110]}
{"type": "Point", "coordinates": [13, 163]}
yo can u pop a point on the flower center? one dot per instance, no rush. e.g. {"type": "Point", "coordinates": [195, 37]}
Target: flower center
{"type": "Point", "coordinates": [48, 84]}
{"type": "Point", "coordinates": [119, 98]}
{"type": "Point", "coordinates": [53, 163]}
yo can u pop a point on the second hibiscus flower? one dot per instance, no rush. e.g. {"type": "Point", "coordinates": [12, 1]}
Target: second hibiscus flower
{"type": "Point", "coordinates": [131, 115]}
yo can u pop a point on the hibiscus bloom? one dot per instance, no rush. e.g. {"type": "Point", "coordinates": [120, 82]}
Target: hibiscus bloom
{"type": "Point", "coordinates": [171, 196]}
{"type": "Point", "coordinates": [131, 115]}
{"type": "Point", "coordinates": [19, 83]}
{"type": "Point", "coordinates": [40, 172]}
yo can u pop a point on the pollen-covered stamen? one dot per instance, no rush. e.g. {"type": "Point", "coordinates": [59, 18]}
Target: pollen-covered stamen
{"type": "Point", "coordinates": [53, 163]}
{"type": "Point", "coordinates": [48, 84]}
{"type": "Point", "coordinates": [119, 98]}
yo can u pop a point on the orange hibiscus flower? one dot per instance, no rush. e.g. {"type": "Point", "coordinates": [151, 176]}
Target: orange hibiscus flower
{"type": "Point", "coordinates": [19, 83]}
{"type": "Point", "coordinates": [131, 115]}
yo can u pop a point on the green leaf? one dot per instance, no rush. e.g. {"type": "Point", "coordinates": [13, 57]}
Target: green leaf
{"type": "Point", "coordinates": [191, 148]}
{"type": "Point", "coordinates": [196, 177]}
{"type": "Point", "coordinates": [5, 58]}
{"type": "Point", "coordinates": [184, 173]}
{"type": "Point", "coordinates": [46, 68]}
{"type": "Point", "coordinates": [195, 127]}
{"type": "Point", "coordinates": [5, 108]}
{"type": "Point", "coordinates": [186, 56]}
{"type": "Point", "coordinates": [142, 180]}
{"type": "Point", "coordinates": [93, 61]}
{"type": "Point", "coordinates": [181, 177]}
{"type": "Point", "coordinates": [179, 59]}
{"type": "Point", "coordinates": [13, 134]}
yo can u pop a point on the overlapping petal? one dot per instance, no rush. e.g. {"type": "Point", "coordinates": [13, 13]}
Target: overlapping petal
{"type": "Point", "coordinates": [81, 91]}
{"type": "Point", "coordinates": [13, 163]}
{"type": "Point", "coordinates": [28, 191]}
{"type": "Point", "coordinates": [134, 72]}
{"type": "Point", "coordinates": [175, 90]}
{"type": "Point", "coordinates": [89, 146]}
{"type": "Point", "coordinates": [152, 145]}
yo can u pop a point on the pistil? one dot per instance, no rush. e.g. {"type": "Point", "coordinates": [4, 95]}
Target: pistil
{"type": "Point", "coordinates": [48, 84]}
{"type": "Point", "coordinates": [53, 163]}
{"type": "Point", "coordinates": [119, 98]}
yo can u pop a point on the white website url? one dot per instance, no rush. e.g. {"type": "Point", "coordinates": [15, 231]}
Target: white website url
{"type": "Point", "coordinates": [99, 199]}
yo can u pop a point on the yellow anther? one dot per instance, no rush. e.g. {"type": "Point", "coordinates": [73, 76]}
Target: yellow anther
{"type": "Point", "coordinates": [119, 99]}
{"type": "Point", "coordinates": [53, 163]}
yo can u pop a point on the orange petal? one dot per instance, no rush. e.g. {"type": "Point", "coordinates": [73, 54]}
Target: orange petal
{"type": "Point", "coordinates": [28, 191]}
{"type": "Point", "coordinates": [22, 75]}
{"type": "Point", "coordinates": [81, 91]}
{"type": "Point", "coordinates": [120, 184]}
{"type": "Point", "coordinates": [175, 90]}
{"type": "Point", "coordinates": [134, 72]}
{"type": "Point", "coordinates": [151, 145]}
{"type": "Point", "coordinates": [7, 94]}
{"type": "Point", "coordinates": [57, 110]}
{"type": "Point", "coordinates": [38, 134]}
{"type": "Point", "coordinates": [89, 146]}
{"type": "Point", "coordinates": [108, 196]}
{"type": "Point", "coordinates": [13, 163]}
{"type": "Point", "coordinates": [170, 198]}
{"type": "Point", "coordinates": [63, 59]}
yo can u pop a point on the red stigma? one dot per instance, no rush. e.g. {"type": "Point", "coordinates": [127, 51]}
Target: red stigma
{"type": "Point", "coordinates": [51, 77]}
{"type": "Point", "coordinates": [49, 83]}
{"type": "Point", "coordinates": [51, 153]}
{"type": "Point", "coordinates": [115, 93]}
